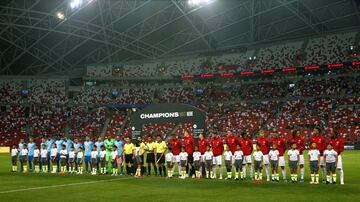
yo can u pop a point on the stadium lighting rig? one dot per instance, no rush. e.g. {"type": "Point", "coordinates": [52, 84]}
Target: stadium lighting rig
{"type": "Point", "coordinates": [60, 15]}
{"type": "Point", "coordinates": [195, 3]}
{"type": "Point", "coordinates": [76, 4]}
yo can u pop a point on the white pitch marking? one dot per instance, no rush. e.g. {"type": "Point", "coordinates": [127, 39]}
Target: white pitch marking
{"type": "Point", "coordinates": [62, 185]}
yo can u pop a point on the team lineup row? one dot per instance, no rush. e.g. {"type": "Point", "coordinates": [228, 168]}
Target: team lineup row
{"type": "Point", "coordinates": [196, 159]}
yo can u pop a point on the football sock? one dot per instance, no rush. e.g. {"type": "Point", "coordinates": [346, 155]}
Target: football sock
{"type": "Point", "coordinates": [160, 170]}
{"type": "Point", "coordinates": [312, 177]}
{"type": "Point", "coordinates": [25, 168]}
{"type": "Point", "coordinates": [179, 168]}
{"type": "Point", "coordinates": [207, 174]}
{"type": "Point", "coordinates": [244, 171]}
{"type": "Point", "coordinates": [229, 175]}
{"type": "Point", "coordinates": [54, 169]}
{"type": "Point", "coordinates": [334, 177]}
{"type": "Point", "coordinates": [236, 175]}
{"type": "Point", "coordinates": [295, 177]}
{"type": "Point", "coordinates": [302, 172]}
{"type": "Point", "coordinates": [267, 170]}
{"type": "Point", "coordinates": [155, 169]}
{"type": "Point", "coordinates": [149, 169]}
{"type": "Point", "coordinates": [323, 172]}
{"type": "Point", "coordinates": [273, 176]}
{"type": "Point", "coordinates": [256, 175]}
{"type": "Point", "coordinates": [241, 174]}
{"type": "Point", "coordinates": [283, 171]}
{"type": "Point", "coordinates": [251, 171]}
{"type": "Point", "coordinates": [221, 171]}
{"type": "Point", "coordinates": [277, 176]}
{"type": "Point", "coordinates": [260, 176]}
{"type": "Point", "coordinates": [214, 171]}
{"type": "Point", "coordinates": [164, 169]}
{"type": "Point", "coordinates": [341, 172]}
{"type": "Point", "coordinates": [316, 177]}
{"type": "Point", "coordinates": [328, 178]}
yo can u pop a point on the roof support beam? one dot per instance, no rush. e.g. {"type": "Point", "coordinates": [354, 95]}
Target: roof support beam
{"type": "Point", "coordinates": [229, 23]}
{"type": "Point", "coordinates": [305, 15]}
{"type": "Point", "coordinates": [209, 41]}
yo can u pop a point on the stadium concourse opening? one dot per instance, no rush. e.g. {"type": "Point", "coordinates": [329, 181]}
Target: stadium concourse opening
{"type": "Point", "coordinates": [168, 113]}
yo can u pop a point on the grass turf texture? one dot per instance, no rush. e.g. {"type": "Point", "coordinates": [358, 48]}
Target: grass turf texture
{"type": "Point", "coordinates": [55, 187]}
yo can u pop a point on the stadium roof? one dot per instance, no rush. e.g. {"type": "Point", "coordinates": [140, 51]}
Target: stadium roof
{"type": "Point", "coordinates": [42, 36]}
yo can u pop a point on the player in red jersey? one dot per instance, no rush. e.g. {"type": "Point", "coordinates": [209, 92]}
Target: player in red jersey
{"type": "Point", "coordinates": [281, 147]}
{"type": "Point", "coordinates": [231, 140]}
{"type": "Point", "coordinates": [265, 148]}
{"type": "Point", "coordinates": [247, 147]}
{"type": "Point", "coordinates": [189, 144]}
{"type": "Point", "coordinates": [320, 142]}
{"type": "Point", "coordinates": [217, 148]}
{"type": "Point", "coordinates": [175, 144]}
{"type": "Point", "coordinates": [338, 145]}
{"type": "Point", "coordinates": [300, 145]}
{"type": "Point", "coordinates": [202, 143]}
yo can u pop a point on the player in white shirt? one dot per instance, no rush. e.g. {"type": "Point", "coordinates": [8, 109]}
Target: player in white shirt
{"type": "Point", "coordinates": [258, 161]}
{"type": "Point", "coordinates": [113, 161]}
{"type": "Point", "coordinates": [138, 160]}
{"type": "Point", "coordinates": [314, 159]}
{"type": "Point", "coordinates": [53, 154]}
{"type": "Point", "coordinates": [169, 158]}
{"type": "Point", "coordinates": [44, 158]}
{"type": "Point", "coordinates": [63, 154]}
{"type": "Point", "coordinates": [36, 159]}
{"type": "Point", "coordinates": [24, 156]}
{"type": "Point", "coordinates": [293, 156]}
{"type": "Point", "coordinates": [238, 159]}
{"type": "Point", "coordinates": [72, 159]}
{"type": "Point", "coordinates": [183, 162]}
{"type": "Point", "coordinates": [94, 156]}
{"type": "Point", "coordinates": [102, 160]}
{"type": "Point", "coordinates": [14, 156]}
{"type": "Point", "coordinates": [228, 162]}
{"type": "Point", "coordinates": [208, 156]}
{"type": "Point", "coordinates": [274, 162]}
{"type": "Point", "coordinates": [330, 158]}
{"type": "Point", "coordinates": [80, 160]}
{"type": "Point", "coordinates": [197, 162]}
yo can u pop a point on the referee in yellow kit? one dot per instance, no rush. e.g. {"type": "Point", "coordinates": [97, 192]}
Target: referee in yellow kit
{"type": "Point", "coordinates": [129, 150]}
{"type": "Point", "coordinates": [160, 148]}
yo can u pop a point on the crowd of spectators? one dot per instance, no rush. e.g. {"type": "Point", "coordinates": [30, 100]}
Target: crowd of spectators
{"type": "Point", "coordinates": [335, 48]}
{"type": "Point", "coordinates": [329, 49]}
{"type": "Point", "coordinates": [329, 102]}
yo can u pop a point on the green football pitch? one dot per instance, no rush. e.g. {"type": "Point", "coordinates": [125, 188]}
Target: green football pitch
{"type": "Point", "coordinates": [55, 187]}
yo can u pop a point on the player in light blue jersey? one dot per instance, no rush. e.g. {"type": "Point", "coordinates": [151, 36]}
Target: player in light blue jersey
{"type": "Point", "coordinates": [87, 152]}
{"type": "Point", "coordinates": [119, 143]}
{"type": "Point", "coordinates": [21, 146]}
{"type": "Point", "coordinates": [48, 143]}
{"type": "Point", "coordinates": [77, 146]}
{"type": "Point", "coordinates": [59, 143]}
{"type": "Point", "coordinates": [31, 148]}
{"type": "Point", "coordinates": [98, 145]}
{"type": "Point", "coordinates": [68, 144]}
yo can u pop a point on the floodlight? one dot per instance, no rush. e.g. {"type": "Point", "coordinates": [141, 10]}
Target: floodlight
{"type": "Point", "coordinates": [60, 15]}
{"type": "Point", "coordinates": [75, 4]}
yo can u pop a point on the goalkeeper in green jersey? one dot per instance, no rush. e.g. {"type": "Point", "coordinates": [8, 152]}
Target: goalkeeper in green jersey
{"type": "Point", "coordinates": [109, 145]}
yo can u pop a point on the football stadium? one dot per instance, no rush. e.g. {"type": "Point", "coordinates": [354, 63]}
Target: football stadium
{"type": "Point", "coordinates": [179, 100]}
